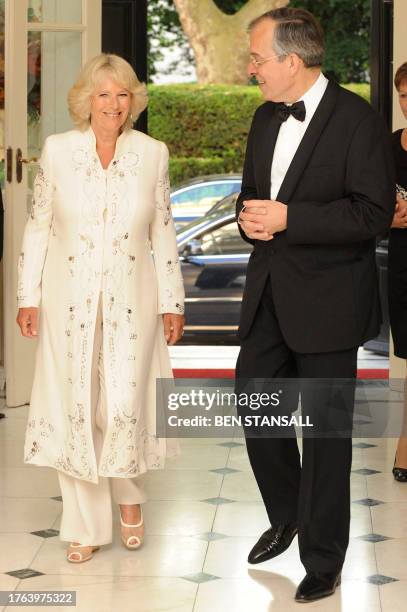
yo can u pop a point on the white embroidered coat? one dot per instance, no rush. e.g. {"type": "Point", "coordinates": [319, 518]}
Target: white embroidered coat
{"type": "Point", "coordinates": [69, 254]}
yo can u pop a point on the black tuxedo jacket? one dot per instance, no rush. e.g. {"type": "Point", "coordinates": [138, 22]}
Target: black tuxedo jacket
{"type": "Point", "coordinates": [340, 192]}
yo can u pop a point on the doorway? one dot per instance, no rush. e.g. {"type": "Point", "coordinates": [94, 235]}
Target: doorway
{"type": "Point", "coordinates": [45, 43]}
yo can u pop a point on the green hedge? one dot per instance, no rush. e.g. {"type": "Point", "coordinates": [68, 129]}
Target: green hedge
{"type": "Point", "coordinates": [206, 126]}
{"type": "Point", "coordinates": [362, 89]}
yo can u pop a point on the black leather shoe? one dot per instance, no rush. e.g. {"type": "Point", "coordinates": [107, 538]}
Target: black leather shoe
{"type": "Point", "coordinates": [273, 542]}
{"type": "Point", "coordinates": [400, 474]}
{"type": "Point", "coordinates": [317, 586]}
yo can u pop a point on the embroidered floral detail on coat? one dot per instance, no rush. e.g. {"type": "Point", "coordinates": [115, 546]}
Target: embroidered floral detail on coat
{"type": "Point", "coordinates": [163, 203]}
{"type": "Point", "coordinates": [86, 256]}
{"type": "Point", "coordinates": [37, 431]}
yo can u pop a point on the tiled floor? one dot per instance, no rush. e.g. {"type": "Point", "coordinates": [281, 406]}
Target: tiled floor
{"type": "Point", "coordinates": [203, 515]}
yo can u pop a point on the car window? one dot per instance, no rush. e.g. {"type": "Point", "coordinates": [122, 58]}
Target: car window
{"type": "Point", "coordinates": [204, 196]}
{"type": "Point", "coordinates": [225, 240]}
{"type": "Point", "coordinates": [224, 206]}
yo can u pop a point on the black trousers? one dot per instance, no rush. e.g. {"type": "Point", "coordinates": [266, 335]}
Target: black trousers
{"type": "Point", "coordinates": [315, 494]}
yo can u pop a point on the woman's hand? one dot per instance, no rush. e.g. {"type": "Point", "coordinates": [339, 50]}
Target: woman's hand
{"type": "Point", "coordinates": [27, 320]}
{"type": "Point", "coordinates": [173, 327]}
{"type": "Point", "coordinates": [400, 216]}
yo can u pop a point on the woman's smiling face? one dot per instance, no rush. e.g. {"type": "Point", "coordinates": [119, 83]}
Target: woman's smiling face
{"type": "Point", "coordinates": [110, 106]}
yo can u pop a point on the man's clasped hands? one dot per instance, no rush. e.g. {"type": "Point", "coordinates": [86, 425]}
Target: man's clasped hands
{"type": "Point", "coordinates": [261, 219]}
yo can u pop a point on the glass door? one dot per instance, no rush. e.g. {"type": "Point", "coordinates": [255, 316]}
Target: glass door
{"type": "Point", "coordinates": [46, 43]}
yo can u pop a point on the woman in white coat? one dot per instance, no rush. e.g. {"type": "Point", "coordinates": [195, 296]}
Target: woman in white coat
{"type": "Point", "coordinates": [100, 286]}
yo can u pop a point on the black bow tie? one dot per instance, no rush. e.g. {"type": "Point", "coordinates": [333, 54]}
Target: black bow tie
{"type": "Point", "coordinates": [297, 110]}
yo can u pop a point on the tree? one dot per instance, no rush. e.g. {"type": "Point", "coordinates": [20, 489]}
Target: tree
{"type": "Point", "coordinates": [346, 24]}
{"type": "Point", "coordinates": [217, 38]}
{"type": "Point", "coordinates": [166, 36]}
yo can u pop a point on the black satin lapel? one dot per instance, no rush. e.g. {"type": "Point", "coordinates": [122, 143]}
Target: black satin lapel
{"type": "Point", "coordinates": [264, 154]}
{"type": "Point", "coordinates": [308, 142]}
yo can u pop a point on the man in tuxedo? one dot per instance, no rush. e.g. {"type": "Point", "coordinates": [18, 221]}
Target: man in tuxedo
{"type": "Point", "coordinates": [318, 187]}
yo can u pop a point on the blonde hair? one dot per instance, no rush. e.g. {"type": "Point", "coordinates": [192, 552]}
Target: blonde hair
{"type": "Point", "coordinates": [105, 65]}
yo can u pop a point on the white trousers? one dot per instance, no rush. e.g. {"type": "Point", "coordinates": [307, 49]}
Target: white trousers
{"type": "Point", "coordinates": [87, 507]}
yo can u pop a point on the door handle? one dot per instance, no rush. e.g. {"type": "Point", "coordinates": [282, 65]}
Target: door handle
{"type": "Point", "coordinates": [20, 160]}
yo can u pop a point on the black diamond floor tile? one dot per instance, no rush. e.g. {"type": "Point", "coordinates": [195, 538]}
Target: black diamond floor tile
{"type": "Point", "coordinates": [217, 501]}
{"type": "Point", "coordinates": [368, 501]}
{"type": "Point", "coordinates": [224, 471]}
{"type": "Point", "coordinates": [231, 444]}
{"type": "Point", "coordinates": [373, 537]}
{"type": "Point", "coordinates": [366, 472]}
{"type": "Point", "coordinates": [363, 445]}
{"type": "Point", "coordinates": [200, 577]}
{"type": "Point", "coordinates": [46, 533]}
{"type": "Point", "coordinates": [379, 579]}
{"type": "Point", "coordinates": [24, 573]}
{"type": "Point", "coordinates": [211, 536]}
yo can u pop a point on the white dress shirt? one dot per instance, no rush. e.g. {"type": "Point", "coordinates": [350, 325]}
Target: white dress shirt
{"type": "Point", "coordinates": [291, 133]}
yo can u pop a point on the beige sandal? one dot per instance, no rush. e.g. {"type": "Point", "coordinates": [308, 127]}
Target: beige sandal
{"type": "Point", "coordinates": [134, 540]}
{"type": "Point", "coordinates": [82, 555]}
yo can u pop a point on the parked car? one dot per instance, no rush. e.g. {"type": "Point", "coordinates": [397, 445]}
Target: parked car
{"type": "Point", "coordinates": [214, 260]}
{"type": "Point", "coordinates": [194, 198]}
